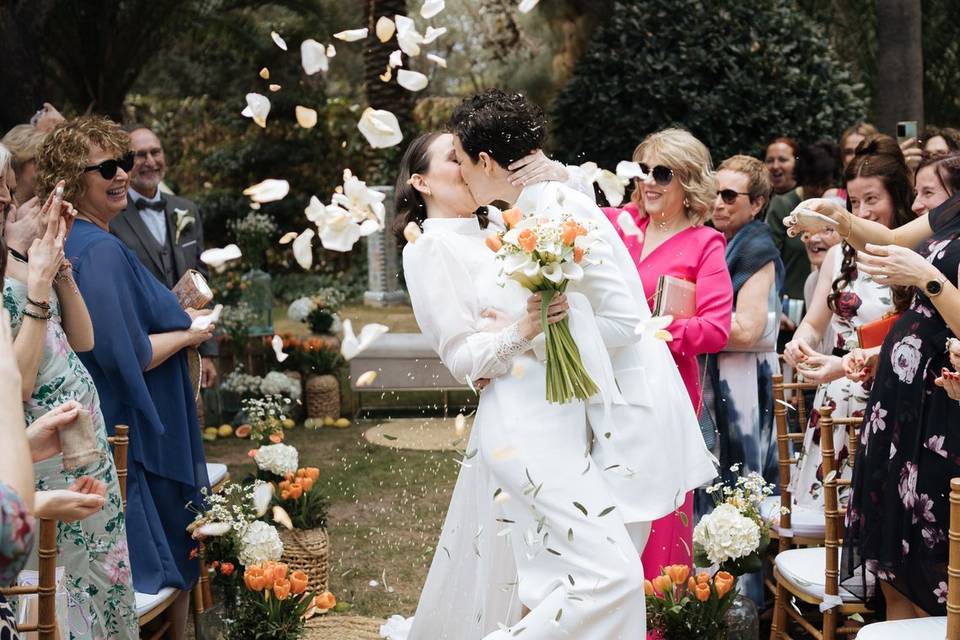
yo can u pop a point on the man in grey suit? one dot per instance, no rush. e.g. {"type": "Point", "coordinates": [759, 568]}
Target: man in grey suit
{"type": "Point", "coordinates": [164, 230]}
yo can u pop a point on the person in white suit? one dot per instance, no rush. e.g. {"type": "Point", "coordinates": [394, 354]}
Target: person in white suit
{"type": "Point", "coordinates": [554, 501]}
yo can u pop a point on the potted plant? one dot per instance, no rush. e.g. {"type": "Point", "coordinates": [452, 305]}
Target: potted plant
{"type": "Point", "coordinates": [319, 362]}
{"type": "Point", "coordinates": [319, 311]}
{"type": "Point", "coordinates": [681, 606]}
{"type": "Point", "coordinates": [275, 603]}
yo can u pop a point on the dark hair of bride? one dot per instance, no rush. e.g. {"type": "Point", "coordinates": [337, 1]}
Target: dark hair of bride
{"type": "Point", "coordinates": [505, 125]}
{"type": "Point", "coordinates": [877, 156]}
{"type": "Point", "coordinates": [409, 204]}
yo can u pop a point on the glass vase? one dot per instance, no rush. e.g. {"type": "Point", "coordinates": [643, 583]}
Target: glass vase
{"type": "Point", "coordinates": [258, 294]}
{"type": "Point", "coordinates": [742, 620]}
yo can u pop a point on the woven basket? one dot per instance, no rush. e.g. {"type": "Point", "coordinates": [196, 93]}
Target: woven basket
{"type": "Point", "coordinates": [309, 551]}
{"type": "Point", "coordinates": [323, 397]}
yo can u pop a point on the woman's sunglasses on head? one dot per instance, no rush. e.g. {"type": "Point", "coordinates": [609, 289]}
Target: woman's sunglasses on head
{"type": "Point", "coordinates": [729, 196]}
{"type": "Point", "coordinates": [661, 175]}
{"type": "Point", "coordinates": [108, 168]}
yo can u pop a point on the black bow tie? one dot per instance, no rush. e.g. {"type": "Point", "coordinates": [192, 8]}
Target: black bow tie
{"type": "Point", "coordinates": [156, 205]}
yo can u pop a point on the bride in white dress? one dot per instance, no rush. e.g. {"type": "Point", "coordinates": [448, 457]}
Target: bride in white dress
{"type": "Point", "coordinates": [553, 503]}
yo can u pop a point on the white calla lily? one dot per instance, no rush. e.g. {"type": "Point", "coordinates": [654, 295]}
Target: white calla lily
{"type": "Point", "coordinates": [351, 35]}
{"type": "Point", "coordinates": [655, 327]}
{"type": "Point", "coordinates": [571, 271]}
{"type": "Point", "coordinates": [385, 29]}
{"type": "Point", "coordinates": [411, 80]}
{"type": "Point", "coordinates": [313, 57]}
{"type": "Point", "coordinates": [270, 190]}
{"type": "Point", "coordinates": [303, 248]}
{"type": "Point", "coordinates": [258, 108]}
{"type": "Point", "coordinates": [277, 40]}
{"type": "Point", "coordinates": [262, 495]}
{"type": "Point", "coordinates": [352, 345]}
{"type": "Point", "coordinates": [431, 8]}
{"type": "Point", "coordinates": [380, 128]}
{"type": "Point", "coordinates": [280, 516]}
{"type": "Point", "coordinates": [552, 272]}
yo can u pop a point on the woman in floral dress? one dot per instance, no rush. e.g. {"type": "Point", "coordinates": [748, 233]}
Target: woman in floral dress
{"type": "Point", "coordinates": [878, 188]}
{"type": "Point", "coordinates": [47, 316]}
{"type": "Point", "coordinates": [899, 508]}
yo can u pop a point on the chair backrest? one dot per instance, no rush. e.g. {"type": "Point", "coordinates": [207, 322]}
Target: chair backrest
{"type": "Point", "coordinates": [784, 448]}
{"type": "Point", "coordinates": [953, 564]}
{"type": "Point", "coordinates": [121, 441]}
{"type": "Point", "coordinates": [46, 588]}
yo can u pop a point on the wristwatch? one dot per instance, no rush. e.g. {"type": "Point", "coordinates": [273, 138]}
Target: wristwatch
{"type": "Point", "coordinates": [934, 287]}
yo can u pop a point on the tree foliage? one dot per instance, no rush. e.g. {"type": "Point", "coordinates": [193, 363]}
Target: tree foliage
{"type": "Point", "coordinates": [734, 74]}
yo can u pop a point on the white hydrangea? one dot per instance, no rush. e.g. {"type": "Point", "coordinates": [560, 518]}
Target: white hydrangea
{"type": "Point", "coordinates": [260, 543]}
{"type": "Point", "coordinates": [300, 308]}
{"type": "Point", "coordinates": [278, 459]}
{"type": "Point", "coordinates": [276, 383]}
{"type": "Point", "coordinates": [725, 534]}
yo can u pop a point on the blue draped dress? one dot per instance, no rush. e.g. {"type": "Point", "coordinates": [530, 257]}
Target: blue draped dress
{"type": "Point", "coordinates": [166, 463]}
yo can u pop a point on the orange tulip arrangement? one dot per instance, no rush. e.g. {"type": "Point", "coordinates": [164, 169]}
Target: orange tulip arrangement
{"type": "Point", "coordinates": [276, 602]}
{"type": "Point", "coordinates": [299, 495]}
{"type": "Point", "coordinates": [680, 605]}
{"type": "Point", "coordinates": [544, 254]}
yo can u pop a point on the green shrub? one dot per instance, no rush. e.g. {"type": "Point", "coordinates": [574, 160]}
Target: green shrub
{"type": "Point", "coordinates": [736, 74]}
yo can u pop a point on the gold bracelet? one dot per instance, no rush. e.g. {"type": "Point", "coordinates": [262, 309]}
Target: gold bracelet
{"type": "Point", "coordinates": [849, 221]}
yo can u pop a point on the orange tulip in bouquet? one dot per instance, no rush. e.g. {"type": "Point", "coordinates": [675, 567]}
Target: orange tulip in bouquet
{"type": "Point", "coordinates": [544, 254]}
{"type": "Point", "coordinates": [275, 603]}
{"type": "Point", "coordinates": [681, 606]}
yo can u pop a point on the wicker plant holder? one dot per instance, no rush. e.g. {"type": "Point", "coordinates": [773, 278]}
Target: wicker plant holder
{"type": "Point", "coordinates": [309, 551]}
{"type": "Point", "coordinates": [323, 397]}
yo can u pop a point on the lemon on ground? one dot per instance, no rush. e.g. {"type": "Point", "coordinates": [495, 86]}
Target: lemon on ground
{"type": "Point", "coordinates": [341, 423]}
{"type": "Point", "coordinates": [328, 421]}
{"type": "Point", "coordinates": [225, 431]}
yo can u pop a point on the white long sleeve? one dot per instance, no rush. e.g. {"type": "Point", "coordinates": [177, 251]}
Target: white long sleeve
{"type": "Point", "coordinates": [445, 304]}
{"type": "Point", "coordinates": [604, 287]}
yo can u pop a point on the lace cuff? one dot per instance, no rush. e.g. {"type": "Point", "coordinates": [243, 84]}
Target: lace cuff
{"type": "Point", "coordinates": [510, 343]}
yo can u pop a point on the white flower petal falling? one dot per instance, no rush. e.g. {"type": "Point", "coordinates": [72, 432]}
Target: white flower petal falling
{"type": "Point", "coordinates": [277, 40]}
{"type": "Point", "coordinates": [613, 186]}
{"type": "Point", "coordinates": [270, 190]}
{"type": "Point", "coordinates": [218, 258]}
{"type": "Point", "coordinates": [628, 169]}
{"type": "Point", "coordinates": [303, 248]}
{"type": "Point", "coordinates": [412, 232]}
{"type": "Point", "coordinates": [432, 34]}
{"type": "Point", "coordinates": [306, 117]}
{"type": "Point", "coordinates": [628, 226]}
{"type": "Point", "coordinates": [408, 37]}
{"type": "Point", "coordinates": [258, 107]}
{"type": "Point", "coordinates": [437, 60]}
{"type": "Point", "coordinates": [411, 80]}
{"type": "Point", "coordinates": [526, 6]}
{"type": "Point", "coordinates": [385, 29]}
{"type": "Point", "coordinates": [431, 8]}
{"type": "Point", "coordinates": [277, 343]}
{"type": "Point", "coordinates": [288, 237]}
{"type": "Point", "coordinates": [351, 35]}
{"type": "Point", "coordinates": [366, 378]}
{"type": "Point", "coordinates": [200, 323]}
{"type": "Point", "coordinates": [352, 345]}
{"type": "Point", "coordinates": [380, 128]}
{"type": "Point", "coordinates": [274, 88]}
{"type": "Point", "coordinates": [265, 73]}
{"type": "Point", "coordinates": [331, 51]}
{"type": "Point", "coordinates": [313, 57]}
{"type": "Point", "coordinates": [396, 58]}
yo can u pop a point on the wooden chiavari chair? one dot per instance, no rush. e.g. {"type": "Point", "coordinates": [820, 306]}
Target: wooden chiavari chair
{"type": "Point", "coordinates": [46, 588]}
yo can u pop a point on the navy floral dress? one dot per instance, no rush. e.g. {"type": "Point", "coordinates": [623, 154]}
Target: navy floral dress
{"type": "Point", "coordinates": [899, 509]}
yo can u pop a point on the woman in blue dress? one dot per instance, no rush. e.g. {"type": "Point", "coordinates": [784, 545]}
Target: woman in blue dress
{"type": "Point", "coordinates": [139, 360]}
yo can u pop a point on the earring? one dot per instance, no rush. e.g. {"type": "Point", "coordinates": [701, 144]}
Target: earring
{"type": "Point", "coordinates": [427, 191]}
{"type": "Point", "coordinates": [686, 203]}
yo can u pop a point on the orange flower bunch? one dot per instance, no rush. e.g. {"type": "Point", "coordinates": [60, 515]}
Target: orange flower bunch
{"type": "Point", "coordinates": [673, 579]}
{"type": "Point", "coordinates": [271, 578]}
{"type": "Point", "coordinates": [682, 605]}
{"type": "Point", "coordinates": [295, 485]}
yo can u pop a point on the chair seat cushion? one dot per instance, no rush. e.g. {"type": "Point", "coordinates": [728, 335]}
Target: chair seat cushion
{"type": "Point", "coordinates": [805, 569]}
{"type": "Point", "coordinates": [216, 472]}
{"type": "Point", "coordinates": [806, 523]}
{"type": "Point", "coordinates": [904, 629]}
{"type": "Point", "coordinates": [147, 602]}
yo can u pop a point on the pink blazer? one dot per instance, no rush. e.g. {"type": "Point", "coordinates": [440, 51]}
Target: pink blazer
{"type": "Point", "coordinates": [695, 254]}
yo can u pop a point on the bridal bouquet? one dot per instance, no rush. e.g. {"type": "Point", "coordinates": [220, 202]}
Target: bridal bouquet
{"type": "Point", "coordinates": [734, 535]}
{"type": "Point", "coordinates": [544, 254]}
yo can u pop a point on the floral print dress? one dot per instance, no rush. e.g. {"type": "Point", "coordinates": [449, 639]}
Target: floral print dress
{"type": "Point", "coordinates": [93, 551]}
{"type": "Point", "coordinates": [861, 301]}
{"type": "Point", "coordinates": [16, 539]}
{"type": "Point", "coordinates": [899, 509]}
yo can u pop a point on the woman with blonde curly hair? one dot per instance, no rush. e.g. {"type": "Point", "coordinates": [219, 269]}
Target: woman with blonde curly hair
{"type": "Point", "coordinates": [670, 206]}
{"type": "Point", "coordinates": [139, 360]}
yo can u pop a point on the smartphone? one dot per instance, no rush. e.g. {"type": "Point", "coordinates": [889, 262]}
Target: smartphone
{"type": "Point", "coordinates": [905, 130]}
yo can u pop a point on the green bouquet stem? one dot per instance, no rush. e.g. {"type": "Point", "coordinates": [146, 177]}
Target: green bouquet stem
{"type": "Point", "coordinates": [566, 377]}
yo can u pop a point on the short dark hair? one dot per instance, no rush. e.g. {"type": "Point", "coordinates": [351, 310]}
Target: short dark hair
{"type": "Point", "coordinates": [818, 165]}
{"type": "Point", "coordinates": [505, 125]}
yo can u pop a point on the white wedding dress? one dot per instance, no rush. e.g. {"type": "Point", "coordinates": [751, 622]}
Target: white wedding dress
{"type": "Point", "coordinates": [543, 514]}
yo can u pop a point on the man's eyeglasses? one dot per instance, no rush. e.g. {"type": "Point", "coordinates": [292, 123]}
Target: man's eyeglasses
{"type": "Point", "coordinates": [729, 196]}
{"type": "Point", "coordinates": [108, 168]}
{"type": "Point", "coordinates": [661, 175]}
{"type": "Point", "coordinates": [156, 152]}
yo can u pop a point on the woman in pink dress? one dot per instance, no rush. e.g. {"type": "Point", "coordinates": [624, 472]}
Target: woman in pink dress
{"type": "Point", "coordinates": [669, 208]}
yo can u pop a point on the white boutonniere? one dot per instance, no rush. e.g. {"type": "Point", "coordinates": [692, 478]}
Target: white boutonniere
{"type": "Point", "coordinates": [184, 220]}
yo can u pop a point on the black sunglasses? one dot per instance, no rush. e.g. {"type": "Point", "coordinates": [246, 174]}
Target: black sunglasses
{"type": "Point", "coordinates": [108, 168]}
{"type": "Point", "coordinates": [729, 196]}
{"type": "Point", "coordinates": [661, 175]}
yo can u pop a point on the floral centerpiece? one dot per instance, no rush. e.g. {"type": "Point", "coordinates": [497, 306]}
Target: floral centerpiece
{"type": "Point", "coordinates": [544, 254]}
{"type": "Point", "coordinates": [275, 603]}
{"type": "Point", "coordinates": [234, 324]}
{"type": "Point", "coordinates": [266, 416]}
{"type": "Point", "coordinates": [734, 535]}
{"type": "Point", "coordinates": [319, 311]}
{"type": "Point", "coordinates": [680, 606]}
{"type": "Point", "coordinates": [310, 356]}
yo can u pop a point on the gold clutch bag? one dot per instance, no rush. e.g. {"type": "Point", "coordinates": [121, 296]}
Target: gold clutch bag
{"type": "Point", "coordinates": [675, 297]}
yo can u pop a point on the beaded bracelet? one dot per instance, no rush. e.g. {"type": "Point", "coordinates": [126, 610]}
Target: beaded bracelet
{"type": "Point", "coordinates": [42, 305]}
{"type": "Point", "coordinates": [37, 316]}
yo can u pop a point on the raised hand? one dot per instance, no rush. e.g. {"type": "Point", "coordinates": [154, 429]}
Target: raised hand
{"type": "Point", "coordinates": [817, 214]}
{"type": "Point", "coordinates": [44, 433]}
{"type": "Point", "coordinates": [536, 167]}
{"type": "Point", "coordinates": [46, 252]}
